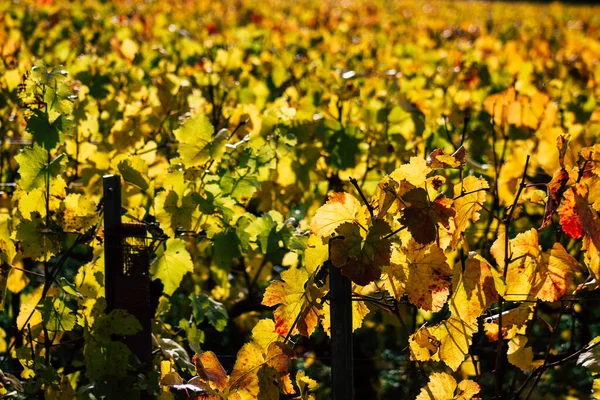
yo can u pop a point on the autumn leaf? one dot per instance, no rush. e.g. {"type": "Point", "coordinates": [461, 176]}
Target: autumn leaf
{"type": "Point", "coordinates": [473, 290]}
{"type": "Point", "coordinates": [518, 354]}
{"type": "Point", "coordinates": [524, 252]}
{"type": "Point", "coordinates": [264, 334]}
{"type": "Point", "coordinates": [556, 188]}
{"type": "Point", "coordinates": [261, 374]}
{"type": "Point", "coordinates": [210, 370]}
{"type": "Point", "coordinates": [514, 322]}
{"type": "Point", "coordinates": [442, 386]}
{"type": "Point", "coordinates": [439, 159]}
{"type": "Point", "coordinates": [361, 259]}
{"type": "Point", "coordinates": [340, 208]}
{"type": "Point", "coordinates": [293, 302]}
{"type": "Point", "coordinates": [531, 272]}
{"type": "Point", "coordinates": [421, 215]}
{"type": "Point", "coordinates": [455, 336]}
{"type": "Point", "coordinates": [306, 386]}
{"type": "Point", "coordinates": [471, 197]}
{"type": "Point", "coordinates": [554, 274]}
{"type": "Point", "coordinates": [569, 218]}
{"type": "Point", "coordinates": [414, 172]}
{"type": "Point", "coordinates": [422, 273]}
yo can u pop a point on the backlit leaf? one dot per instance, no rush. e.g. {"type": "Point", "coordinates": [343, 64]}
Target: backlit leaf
{"type": "Point", "coordinates": [172, 262]}
{"type": "Point", "coordinates": [340, 208]}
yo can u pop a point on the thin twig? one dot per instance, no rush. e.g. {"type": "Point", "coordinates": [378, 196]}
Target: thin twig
{"type": "Point", "coordinates": [362, 196]}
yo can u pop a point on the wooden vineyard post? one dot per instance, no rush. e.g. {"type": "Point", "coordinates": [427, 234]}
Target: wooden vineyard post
{"type": "Point", "coordinates": [126, 276]}
{"type": "Point", "coordinates": [342, 380]}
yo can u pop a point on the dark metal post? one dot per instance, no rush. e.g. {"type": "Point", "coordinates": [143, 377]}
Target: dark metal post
{"type": "Point", "coordinates": [113, 249]}
{"type": "Point", "coordinates": [126, 276]}
{"type": "Point", "coordinates": [342, 380]}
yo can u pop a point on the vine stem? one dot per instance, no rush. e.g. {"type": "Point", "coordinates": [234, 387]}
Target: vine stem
{"type": "Point", "coordinates": [354, 182]}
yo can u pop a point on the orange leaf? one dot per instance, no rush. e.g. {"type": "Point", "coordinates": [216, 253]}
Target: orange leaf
{"type": "Point", "coordinates": [293, 301]}
{"type": "Point", "coordinates": [556, 188]}
{"type": "Point", "coordinates": [210, 370]}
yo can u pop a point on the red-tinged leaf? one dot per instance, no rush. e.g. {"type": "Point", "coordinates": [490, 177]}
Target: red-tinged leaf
{"type": "Point", "coordinates": [421, 216]}
{"type": "Point", "coordinates": [556, 188]}
{"type": "Point", "coordinates": [294, 302]}
{"type": "Point", "coordinates": [590, 222]}
{"type": "Point", "coordinates": [569, 220]}
{"type": "Point", "coordinates": [361, 259]}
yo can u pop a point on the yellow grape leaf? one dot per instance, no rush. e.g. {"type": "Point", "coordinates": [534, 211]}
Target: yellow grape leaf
{"type": "Point", "coordinates": [422, 273]}
{"type": "Point", "coordinates": [455, 338]}
{"type": "Point", "coordinates": [77, 213]}
{"type": "Point", "coordinates": [172, 262]}
{"type": "Point", "coordinates": [473, 290]}
{"type": "Point", "coordinates": [196, 141]}
{"type": "Point", "coordinates": [210, 370]}
{"type": "Point", "coordinates": [468, 205]}
{"type": "Point", "coordinates": [519, 355]}
{"type": "Point", "coordinates": [340, 208]}
{"type": "Point", "coordinates": [514, 322]}
{"type": "Point", "coordinates": [133, 169]}
{"type": "Point", "coordinates": [554, 274]}
{"type": "Point", "coordinates": [423, 345]}
{"type": "Point", "coordinates": [35, 199]}
{"type": "Point", "coordinates": [316, 253]}
{"type": "Point", "coordinates": [168, 375]}
{"type": "Point", "coordinates": [259, 372]}
{"type": "Point", "coordinates": [28, 304]}
{"type": "Point", "coordinates": [359, 312]}
{"type": "Point", "coordinates": [306, 385]}
{"type": "Point", "coordinates": [596, 388]}
{"type": "Point", "coordinates": [442, 386]}
{"type": "Point", "coordinates": [361, 259]}
{"type": "Point", "coordinates": [35, 166]}
{"type": "Point", "coordinates": [36, 239]}
{"type": "Point", "coordinates": [294, 302]}
{"type": "Point", "coordinates": [264, 333]}
{"type": "Point", "coordinates": [17, 279]}
{"type": "Point", "coordinates": [448, 341]}
{"type": "Point", "coordinates": [129, 49]}
{"type": "Point", "coordinates": [439, 159]}
{"type": "Point", "coordinates": [386, 197]}
{"type": "Point", "coordinates": [414, 172]}
{"type": "Point", "coordinates": [533, 273]}
{"type": "Point", "coordinates": [524, 252]}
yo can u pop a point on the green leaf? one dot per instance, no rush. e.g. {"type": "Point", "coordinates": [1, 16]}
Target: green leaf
{"type": "Point", "coordinates": [34, 167]}
{"type": "Point", "coordinates": [48, 135]}
{"type": "Point", "coordinates": [172, 262]}
{"type": "Point", "coordinates": [196, 142]}
{"type": "Point", "coordinates": [195, 336]}
{"type": "Point", "coordinates": [133, 170]}
{"type": "Point", "coordinates": [206, 308]}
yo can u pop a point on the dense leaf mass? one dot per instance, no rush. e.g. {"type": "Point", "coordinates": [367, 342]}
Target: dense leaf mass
{"type": "Point", "coordinates": [443, 155]}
